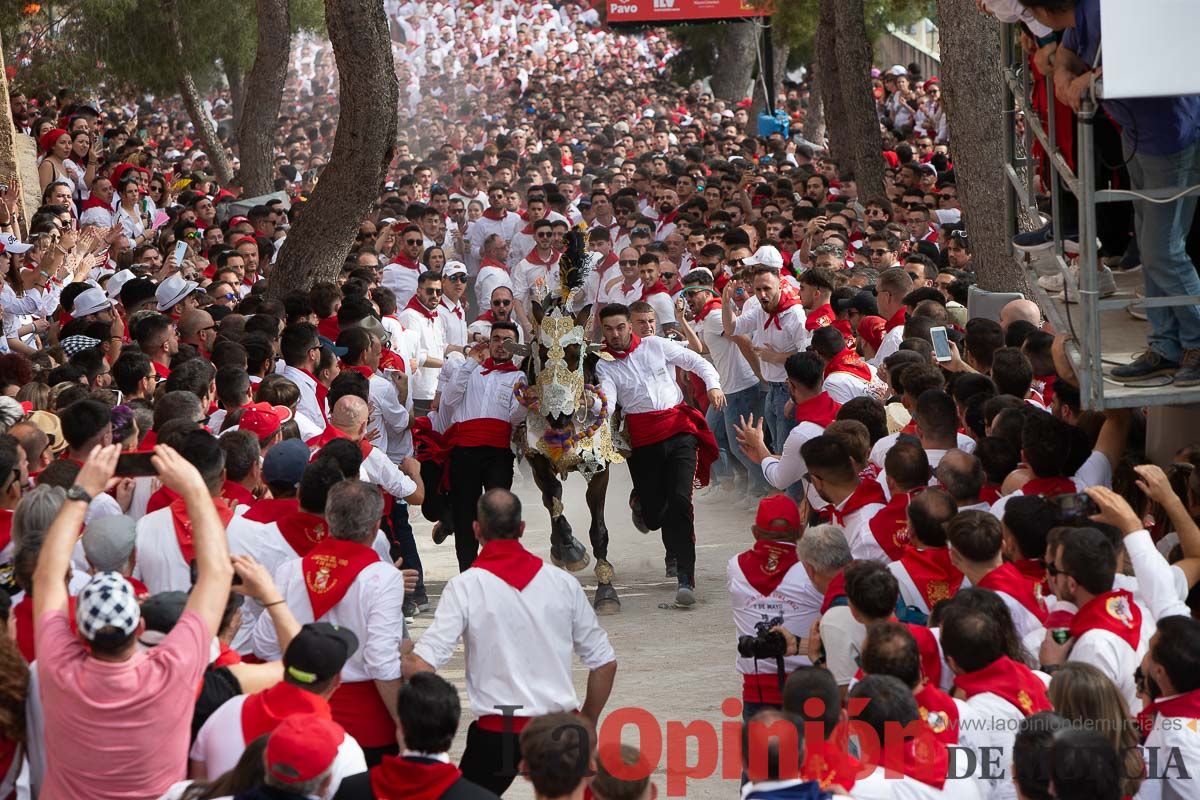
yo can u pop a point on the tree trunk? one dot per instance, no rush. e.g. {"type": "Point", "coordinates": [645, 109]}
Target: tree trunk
{"type": "Point", "coordinates": [369, 94]}
{"type": "Point", "coordinates": [864, 143]}
{"type": "Point", "coordinates": [264, 92]}
{"type": "Point", "coordinates": [759, 96]}
{"type": "Point", "coordinates": [9, 173]}
{"type": "Point", "coordinates": [973, 94]}
{"type": "Point", "coordinates": [814, 120]}
{"type": "Point", "coordinates": [194, 103]}
{"type": "Point", "coordinates": [829, 80]}
{"type": "Point", "coordinates": [735, 61]}
{"type": "Point", "coordinates": [237, 92]}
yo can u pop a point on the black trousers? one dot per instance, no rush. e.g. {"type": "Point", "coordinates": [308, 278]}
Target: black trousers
{"type": "Point", "coordinates": [491, 759]}
{"type": "Point", "coordinates": [662, 477]}
{"type": "Point", "coordinates": [474, 470]}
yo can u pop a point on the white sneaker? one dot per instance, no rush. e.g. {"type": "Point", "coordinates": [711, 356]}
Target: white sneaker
{"type": "Point", "coordinates": [1107, 285]}
{"type": "Point", "coordinates": [1051, 283]}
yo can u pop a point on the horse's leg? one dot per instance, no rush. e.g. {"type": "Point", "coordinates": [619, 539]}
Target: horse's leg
{"type": "Point", "coordinates": [606, 600]}
{"type": "Point", "coordinates": [565, 550]}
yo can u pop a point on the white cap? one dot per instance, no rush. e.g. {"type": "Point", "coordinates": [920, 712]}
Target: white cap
{"type": "Point", "coordinates": [171, 291]}
{"type": "Point", "coordinates": [118, 280]}
{"type": "Point", "coordinates": [767, 256]}
{"type": "Point", "coordinates": [9, 243]}
{"type": "Point", "coordinates": [454, 268]}
{"type": "Point", "coordinates": [90, 301]}
{"type": "Point", "coordinates": [897, 70]}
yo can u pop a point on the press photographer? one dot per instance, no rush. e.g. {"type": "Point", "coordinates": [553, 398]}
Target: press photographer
{"type": "Point", "coordinates": [768, 586]}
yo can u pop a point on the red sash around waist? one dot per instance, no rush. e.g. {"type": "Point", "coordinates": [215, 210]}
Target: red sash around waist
{"type": "Point", "coordinates": [359, 709]}
{"type": "Point", "coordinates": [652, 427]}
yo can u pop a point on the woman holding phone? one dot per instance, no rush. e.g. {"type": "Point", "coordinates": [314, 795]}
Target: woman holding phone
{"type": "Point", "coordinates": [129, 212]}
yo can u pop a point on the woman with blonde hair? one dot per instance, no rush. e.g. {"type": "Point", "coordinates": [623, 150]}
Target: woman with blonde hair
{"type": "Point", "coordinates": [1087, 698]}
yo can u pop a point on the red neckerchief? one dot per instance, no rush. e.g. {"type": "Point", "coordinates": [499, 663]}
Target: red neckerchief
{"type": "Point", "coordinates": [96, 202]}
{"type": "Point", "coordinates": [302, 531]}
{"type": "Point", "coordinates": [236, 494]}
{"type": "Point", "coordinates": [708, 308]}
{"type": "Point", "coordinates": [990, 493]}
{"type": "Point", "coordinates": [605, 263]}
{"type": "Point", "coordinates": [395, 776]}
{"type": "Point", "coordinates": [183, 524]}
{"type": "Point", "coordinates": [867, 493]}
{"type": "Point", "coordinates": [658, 288]}
{"type": "Point", "coordinates": [820, 410]}
{"type": "Point", "coordinates": [1049, 487]}
{"type": "Point", "coordinates": [330, 433]}
{"type": "Point", "coordinates": [263, 711]}
{"type": "Point", "coordinates": [491, 365]}
{"type": "Point", "coordinates": [849, 362]}
{"type": "Point", "coordinates": [140, 590]}
{"type": "Point", "coordinates": [495, 214]}
{"type": "Point", "coordinates": [1115, 612]}
{"type": "Point", "coordinates": [923, 758]}
{"type": "Point", "coordinates": [889, 526]}
{"type": "Point", "coordinates": [786, 301]}
{"type": "Point", "coordinates": [509, 561]}
{"type": "Point", "coordinates": [634, 341]}
{"type": "Point", "coordinates": [271, 509]}
{"type": "Point", "coordinates": [226, 657]}
{"type": "Point", "coordinates": [361, 369]}
{"type": "Point", "coordinates": [836, 590]}
{"type": "Point", "coordinates": [391, 360]}
{"type": "Point", "coordinates": [932, 573]}
{"type": "Point", "coordinates": [829, 763]}
{"type": "Point", "coordinates": [416, 305]}
{"type": "Point", "coordinates": [1035, 570]}
{"type": "Point", "coordinates": [322, 393]}
{"type": "Point", "coordinates": [6, 517]}
{"type": "Point", "coordinates": [819, 318]}
{"type": "Point", "coordinates": [329, 328]}
{"type": "Point", "coordinates": [491, 262]}
{"type": "Point", "coordinates": [1047, 382]}
{"type": "Point", "coordinates": [528, 229]}
{"type": "Point", "coordinates": [406, 262]}
{"type": "Point", "coordinates": [626, 288]}
{"type": "Point", "coordinates": [534, 257]}
{"type": "Point", "coordinates": [767, 563]}
{"type": "Point", "coordinates": [456, 310]}
{"type": "Point", "coordinates": [487, 317]}
{"type": "Point", "coordinates": [329, 569]}
{"type": "Point", "coordinates": [1010, 680]}
{"type": "Point", "coordinates": [939, 711]}
{"type": "Point", "coordinates": [1007, 579]}
{"type": "Point", "coordinates": [896, 321]}
{"type": "Point", "coordinates": [162, 370]}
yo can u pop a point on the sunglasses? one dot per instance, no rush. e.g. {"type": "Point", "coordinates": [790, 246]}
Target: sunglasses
{"type": "Point", "coordinates": [666, 276]}
{"type": "Point", "coordinates": [457, 278]}
{"type": "Point", "coordinates": [501, 303]}
{"type": "Point", "coordinates": [1054, 571]}
{"type": "Point", "coordinates": [544, 234]}
{"type": "Point", "coordinates": [958, 234]}
{"type": "Point", "coordinates": [628, 262]}
{"type": "Point", "coordinates": [433, 292]}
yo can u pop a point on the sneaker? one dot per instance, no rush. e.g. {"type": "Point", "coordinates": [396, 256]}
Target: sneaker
{"type": "Point", "coordinates": [1136, 311]}
{"type": "Point", "coordinates": [409, 610]}
{"type": "Point", "coordinates": [672, 570]}
{"type": "Point", "coordinates": [685, 595]}
{"type": "Point", "coordinates": [1035, 241]}
{"type": "Point", "coordinates": [1189, 369]}
{"type": "Point", "coordinates": [1107, 286]}
{"type": "Point", "coordinates": [1148, 365]}
{"type": "Point", "coordinates": [1052, 283]}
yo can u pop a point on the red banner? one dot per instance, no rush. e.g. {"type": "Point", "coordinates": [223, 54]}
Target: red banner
{"type": "Point", "coordinates": [661, 12]}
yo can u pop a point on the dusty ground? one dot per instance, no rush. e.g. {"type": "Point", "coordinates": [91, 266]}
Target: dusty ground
{"type": "Point", "coordinates": [676, 664]}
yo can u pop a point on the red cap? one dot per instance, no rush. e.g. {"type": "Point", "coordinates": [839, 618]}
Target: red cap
{"type": "Point", "coordinates": [263, 419]}
{"type": "Point", "coordinates": [871, 330]}
{"type": "Point", "coordinates": [778, 514]}
{"type": "Point", "coordinates": [302, 747]}
{"type": "Point", "coordinates": [241, 239]}
{"type": "Point", "coordinates": [931, 82]}
{"type": "Point", "coordinates": [238, 221]}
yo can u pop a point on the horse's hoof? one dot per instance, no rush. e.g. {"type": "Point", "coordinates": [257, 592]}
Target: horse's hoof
{"type": "Point", "coordinates": [606, 600]}
{"type": "Point", "coordinates": [571, 556]}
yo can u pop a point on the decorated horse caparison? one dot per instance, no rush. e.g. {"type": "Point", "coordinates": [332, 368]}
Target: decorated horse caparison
{"type": "Point", "coordinates": [565, 430]}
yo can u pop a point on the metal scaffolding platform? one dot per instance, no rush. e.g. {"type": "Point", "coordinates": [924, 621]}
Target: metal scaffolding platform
{"type": "Point", "coordinates": [1103, 333]}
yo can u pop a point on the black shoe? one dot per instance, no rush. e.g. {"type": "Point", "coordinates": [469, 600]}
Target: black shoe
{"type": "Point", "coordinates": [672, 567]}
{"type": "Point", "coordinates": [685, 595]}
{"type": "Point", "coordinates": [1189, 370]}
{"type": "Point", "coordinates": [409, 610]}
{"type": "Point", "coordinates": [441, 532]}
{"type": "Point", "coordinates": [635, 505]}
{"type": "Point", "coordinates": [421, 601]}
{"type": "Point", "coordinates": [1148, 365]}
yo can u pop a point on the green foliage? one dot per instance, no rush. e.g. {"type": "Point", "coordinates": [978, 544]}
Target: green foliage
{"type": "Point", "coordinates": [796, 20]}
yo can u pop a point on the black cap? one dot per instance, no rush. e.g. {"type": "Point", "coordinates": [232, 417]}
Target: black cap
{"type": "Point", "coordinates": [863, 302]}
{"type": "Point", "coordinates": [161, 611]}
{"type": "Point", "coordinates": [318, 652]}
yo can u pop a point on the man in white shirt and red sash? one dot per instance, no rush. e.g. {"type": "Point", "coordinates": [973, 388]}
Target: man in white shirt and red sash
{"type": "Point", "coordinates": [522, 621]}
{"type": "Point", "coordinates": [767, 582]}
{"type": "Point", "coordinates": [300, 347]}
{"type": "Point", "coordinates": [672, 445]}
{"type": "Point", "coordinates": [774, 319]}
{"type": "Point", "coordinates": [890, 288]}
{"type": "Point", "coordinates": [405, 268]}
{"type": "Point", "coordinates": [537, 272]}
{"type": "Point", "coordinates": [998, 689]}
{"type": "Point", "coordinates": [389, 418]}
{"type": "Point", "coordinates": [852, 501]}
{"type": "Point", "coordinates": [342, 580]}
{"type": "Point", "coordinates": [624, 284]}
{"type": "Point", "coordinates": [816, 285]}
{"type": "Point", "coordinates": [1107, 631]}
{"type": "Point", "coordinates": [1172, 674]}
{"type": "Point", "coordinates": [655, 292]}
{"type": "Point", "coordinates": [312, 666]}
{"type": "Point", "coordinates": [481, 402]}
{"type": "Point", "coordinates": [452, 312]}
{"type": "Point", "coordinates": [496, 219]}
{"type": "Point", "coordinates": [847, 375]}
{"type": "Point", "coordinates": [907, 472]}
{"type": "Point", "coordinates": [421, 315]}
{"type": "Point", "coordinates": [924, 571]}
{"type": "Point", "coordinates": [493, 270]}
{"type": "Point", "coordinates": [975, 544]}
{"type": "Point", "coordinates": [164, 538]}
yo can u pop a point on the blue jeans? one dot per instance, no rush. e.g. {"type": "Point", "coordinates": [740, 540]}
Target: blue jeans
{"type": "Point", "coordinates": [1162, 230]}
{"type": "Point", "coordinates": [722, 470]}
{"type": "Point", "coordinates": [745, 403]}
{"type": "Point", "coordinates": [778, 423]}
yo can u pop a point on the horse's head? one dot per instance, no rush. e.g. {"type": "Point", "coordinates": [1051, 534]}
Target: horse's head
{"type": "Point", "coordinates": [560, 345]}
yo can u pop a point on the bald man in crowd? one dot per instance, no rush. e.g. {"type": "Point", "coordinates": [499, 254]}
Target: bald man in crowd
{"type": "Point", "coordinates": [348, 420]}
{"type": "Point", "coordinates": [1020, 309]}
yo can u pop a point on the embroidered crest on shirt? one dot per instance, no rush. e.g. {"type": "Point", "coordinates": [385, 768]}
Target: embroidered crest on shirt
{"type": "Point", "coordinates": [937, 721]}
{"type": "Point", "coordinates": [1118, 608]}
{"type": "Point", "coordinates": [1025, 701]}
{"type": "Point", "coordinates": [938, 591]}
{"type": "Point", "coordinates": [322, 580]}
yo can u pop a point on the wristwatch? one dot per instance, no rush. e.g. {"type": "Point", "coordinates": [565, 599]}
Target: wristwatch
{"type": "Point", "coordinates": [77, 492]}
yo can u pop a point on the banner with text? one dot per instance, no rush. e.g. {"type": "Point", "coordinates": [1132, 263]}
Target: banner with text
{"type": "Point", "coordinates": [661, 12]}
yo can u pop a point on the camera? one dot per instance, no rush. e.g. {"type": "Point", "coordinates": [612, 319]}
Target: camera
{"type": "Point", "coordinates": [765, 643]}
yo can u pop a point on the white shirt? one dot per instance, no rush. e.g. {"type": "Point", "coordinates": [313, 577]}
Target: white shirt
{"type": "Point", "coordinates": [423, 384]}
{"type": "Point", "coordinates": [645, 379]}
{"type": "Point", "coordinates": [469, 394]}
{"type": "Point", "coordinates": [842, 636]}
{"type": "Point", "coordinates": [453, 319]}
{"type": "Point", "coordinates": [519, 644]}
{"type": "Point", "coordinates": [482, 228]}
{"type": "Point", "coordinates": [487, 280]}
{"type": "Point", "coordinates": [402, 280]}
{"type": "Point", "coordinates": [1096, 471]}
{"type": "Point", "coordinates": [1178, 737]}
{"type": "Point", "coordinates": [1161, 587]}
{"type": "Point", "coordinates": [1001, 720]}
{"type": "Point", "coordinates": [789, 337]}
{"type": "Point", "coordinates": [795, 599]}
{"type": "Point", "coordinates": [735, 371]}
{"type": "Point", "coordinates": [308, 406]}
{"type": "Point", "coordinates": [880, 450]}
{"type": "Point", "coordinates": [220, 743]}
{"type": "Point", "coordinates": [160, 563]}
{"type": "Point", "coordinates": [388, 415]}
{"type": "Point", "coordinates": [890, 344]}
{"type": "Point", "coordinates": [844, 387]}
{"type": "Point", "coordinates": [784, 470]}
{"type": "Point", "coordinates": [613, 290]}
{"type": "Point", "coordinates": [378, 469]}
{"type": "Point", "coordinates": [371, 607]}
{"type": "Point", "coordinates": [531, 280]}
